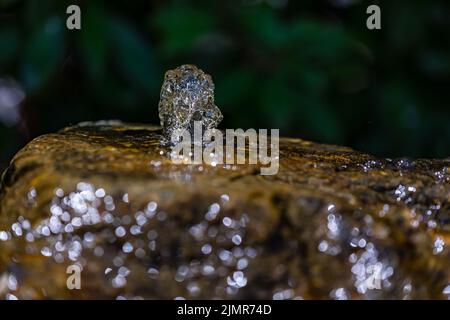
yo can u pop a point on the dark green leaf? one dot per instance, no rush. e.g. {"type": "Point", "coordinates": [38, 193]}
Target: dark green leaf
{"type": "Point", "coordinates": [43, 53]}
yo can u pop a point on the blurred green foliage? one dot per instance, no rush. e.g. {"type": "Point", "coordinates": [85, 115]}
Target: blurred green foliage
{"type": "Point", "coordinates": [310, 68]}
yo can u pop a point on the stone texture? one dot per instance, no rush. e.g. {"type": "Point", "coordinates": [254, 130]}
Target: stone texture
{"type": "Point", "coordinates": [107, 197]}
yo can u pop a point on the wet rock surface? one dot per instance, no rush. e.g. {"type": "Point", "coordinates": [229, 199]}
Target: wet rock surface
{"type": "Point", "coordinates": [332, 224]}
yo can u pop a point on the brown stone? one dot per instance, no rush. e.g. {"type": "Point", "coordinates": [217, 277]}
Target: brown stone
{"type": "Point", "coordinates": [333, 223]}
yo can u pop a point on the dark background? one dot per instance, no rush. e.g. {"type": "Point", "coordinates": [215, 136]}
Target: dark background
{"type": "Point", "coordinates": [310, 68]}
